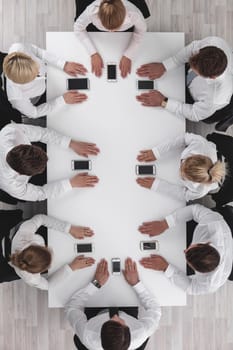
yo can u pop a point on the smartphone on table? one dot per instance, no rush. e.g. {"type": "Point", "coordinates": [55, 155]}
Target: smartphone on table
{"type": "Point", "coordinates": [149, 245]}
{"type": "Point", "coordinates": [84, 248]}
{"type": "Point", "coordinates": [78, 84]}
{"type": "Point", "coordinates": [81, 164]}
{"type": "Point", "coordinates": [111, 72]}
{"type": "Point", "coordinates": [145, 84]}
{"type": "Point", "coordinates": [145, 169]}
{"type": "Point", "coordinates": [116, 266]}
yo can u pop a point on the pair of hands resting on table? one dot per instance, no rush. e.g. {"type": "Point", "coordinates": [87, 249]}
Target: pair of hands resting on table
{"type": "Point", "coordinates": [151, 71]}
{"type": "Point", "coordinates": [146, 156]}
{"type": "Point", "coordinates": [97, 65]}
{"type": "Point", "coordinates": [102, 273]}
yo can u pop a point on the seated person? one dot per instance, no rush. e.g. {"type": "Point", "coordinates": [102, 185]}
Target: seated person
{"type": "Point", "coordinates": [118, 332]}
{"type": "Point", "coordinates": [25, 70]}
{"type": "Point", "coordinates": [200, 170]}
{"type": "Point", "coordinates": [29, 256]}
{"type": "Point", "coordinates": [19, 160]}
{"type": "Point", "coordinates": [112, 16]}
{"type": "Point", "coordinates": [209, 254]}
{"type": "Point", "coordinates": [209, 79]}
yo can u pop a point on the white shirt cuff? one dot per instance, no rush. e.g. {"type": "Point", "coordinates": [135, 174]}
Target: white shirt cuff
{"type": "Point", "coordinates": [65, 143]}
{"type": "Point", "coordinates": [91, 289]}
{"type": "Point", "coordinates": [66, 185]}
{"type": "Point", "coordinates": [67, 228]}
{"type": "Point", "coordinates": [155, 184]}
{"type": "Point", "coordinates": [61, 63]}
{"type": "Point", "coordinates": [170, 221]}
{"type": "Point", "coordinates": [169, 271]}
{"type": "Point", "coordinates": [156, 152]}
{"type": "Point", "coordinates": [169, 64]}
{"type": "Point", "coordinates": [172, 105]}
{"type": "Point", "coordinates": [139, 287]}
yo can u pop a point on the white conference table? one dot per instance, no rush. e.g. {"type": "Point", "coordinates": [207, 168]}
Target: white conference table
{"type": "Point", "coordinates": [121, 127]}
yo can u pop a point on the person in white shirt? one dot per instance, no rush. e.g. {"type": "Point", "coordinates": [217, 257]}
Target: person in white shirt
{"type": "Point", "coordinates": [209, 79]}
{"type": "Point", "coordinates": [30, 257]}
{"type": "Point", "coordinates": [19, 160]}
{"type": "Point", "coordinates": [210, 254]}
{"type": "Point", "coordinates": [200, 170]}
{"type": "Point", "coordinates": [120, 332]}
{"type": "Point", "coordinates": [111, 15]}
{"type": "Point", "coordinates": [25, 70]}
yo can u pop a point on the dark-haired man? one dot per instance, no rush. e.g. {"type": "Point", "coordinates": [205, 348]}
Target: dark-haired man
{"type": "Point", "coordinates": [209, 79]}
{"type": "Point", "coordinates": [118, 332]}
{"type": "Point", "coordinates": [210, 253]}
{"type": "Point", "coordinates": [19, 160]}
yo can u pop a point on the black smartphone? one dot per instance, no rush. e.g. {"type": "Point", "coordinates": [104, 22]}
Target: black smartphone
{"type": "Point", "coordinates": [78, 84]}
{"type": "Point", "coordinates": [116, 266]}
{"type": "Point", "coordinates": [81, 165]}
{"type": "Point", "coordinates": [145, 170]}
{"type": "Point", "coordinates": [145, 84]}
{"type": "Point", "coordinates": [111, 72]}
{"type": "Point", "coordinates": [149, 245]}
{"type": "Point", "coordinates": [84, 248]}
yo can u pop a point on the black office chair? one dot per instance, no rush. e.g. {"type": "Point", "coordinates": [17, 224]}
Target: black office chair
{"type": "Point", "coordinates": [92, 312]}
{"type": "Point", "coordinates": [224, 145]}
{"type": "Point", "coordinates": [227, 212]}
{"type": "Point", "coordinates": [82, 5]}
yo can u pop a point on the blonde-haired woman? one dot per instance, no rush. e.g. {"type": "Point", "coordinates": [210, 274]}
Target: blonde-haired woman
{"type": "Point", "coordinates": [29, 256]}
{"type": "Point", "coordinates": [200, 169]}
{"type": "Point", "coordinates": [111, 15]}
{"type": "Point", "coordinates": [25, 71]}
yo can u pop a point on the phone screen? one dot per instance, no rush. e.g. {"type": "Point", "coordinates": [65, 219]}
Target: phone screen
{"type": "Point", "coordinates": [111, 72]}
{"type": "Point", "coordinates": [149, 245]}
{"type": "Point", "coordinates": [81, 164]}
{"type": "Point", "coordinates": [78, 84]}
{"type": "Point", "coordinates": [116, 266]}
{"type": "Point", "coordinates": [145, 169]}
{"type": "Point", "coordinates": [146, 84]}
{"type": "Point", "coordinates": [84, 248]}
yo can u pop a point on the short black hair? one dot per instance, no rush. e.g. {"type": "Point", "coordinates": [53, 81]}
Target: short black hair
{"type": "Point", "coordinates": [203, 257]}
{"type": "Point", "coordinates": [115, 336]}
{"type": "Point", "coordinates": [27, 159]}
{"type": "Point", "coordinates": [210, 61]}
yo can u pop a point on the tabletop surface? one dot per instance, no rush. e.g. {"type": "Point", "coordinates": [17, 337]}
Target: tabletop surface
{"type": "Point", "coordinates": [121, 127]}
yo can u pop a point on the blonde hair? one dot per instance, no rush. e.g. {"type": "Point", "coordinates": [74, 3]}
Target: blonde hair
{"type": "Point", "coordinates": [20, 68]}
{"type": "Point", "coordinates": [33, 259]}
{"type": "Point", "coordinates": [199, 168]}
{"type": "Point", "coordinates": [112, 13]}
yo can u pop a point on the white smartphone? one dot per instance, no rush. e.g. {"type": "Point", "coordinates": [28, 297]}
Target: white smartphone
{"type": "Point", "coordinates": [145, 169]}
{"type": "Point", "coordinates": [116, 266]}
{"type": "Point", "coordinates": [111, 72]}
{"type": "Point", "coordinates": [84, 248]}
{"type": "Point", "coordinates": [78, 84]}
{"type": "Point", "coordinates": [149, 245]}
{"type": "Point", "coordinates": [145, 84]}
{"type": "Point", "coordinates": [81, 164]}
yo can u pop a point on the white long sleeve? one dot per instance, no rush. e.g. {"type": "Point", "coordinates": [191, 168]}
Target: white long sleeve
{"type": "Point", "coordinates": [209, 95]}
{"type": "Point", "coordinates": [211, 228]}
{"type": "Point", "coordinates": [133, 18]}
{"type": "Point", "coordinates": [21, 95]}
{"type": "Point", "coordinates": [18, 185]}
{"type": "Point", "coordinates": [26, 236]}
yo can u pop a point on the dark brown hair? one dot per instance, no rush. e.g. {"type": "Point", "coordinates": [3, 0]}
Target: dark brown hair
{"type": "Point", "coordinates": [210, 61]}
{"type": "Point", "coordinates": [203, 257]}
{"type": "Point", "coordinates": [112, 13]}
{"type": "Point", "coordinates": [115, 336]}
{"type": "Point", "coordinates": [27, 159]}
{"type": "Point", "coordinates": [33, 259]}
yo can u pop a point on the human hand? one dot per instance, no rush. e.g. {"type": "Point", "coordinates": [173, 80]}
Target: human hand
{"type": "Point", "coordinates": [73, 96]}
{"type": "Point", "coordinates": [80, 232]}
{"type": "Point", "coordinates": [125, 66]}
{"type": "Point", "coordinates": [73, 69]}
{"type": "Point", "coordinates": [84, 180]}
{"type": "Point", "coordinates": [84, 148]}
{"type": "Point", "coordinates": [155, 262]}
{"type": "Point", "coordinates": [146, 182]}
{"type": "Point", "coordinates": [80, 262]}
{"type": "Point", "coordinates": [146, 156]}
{"type": "Point", "coordinates": [96, 64]}
{"type": "Point", "coordinates": [153, 228]}
{"type": "Point", "coordinates": [130, 272]}
{"type": "Point", "coordinates": [102, 274]}
{"type": "Point", "coordinates": [151, 70]}
{"type": "Point", "coordinates": [152, 98]}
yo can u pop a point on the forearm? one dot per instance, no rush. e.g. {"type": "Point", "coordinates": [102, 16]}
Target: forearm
{"type": "Point", "coordinates": [172, 190]}
{"type": "Point", "coordinates": [167, 146]}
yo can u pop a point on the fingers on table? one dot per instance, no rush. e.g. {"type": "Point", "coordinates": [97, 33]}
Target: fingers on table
{"type": "Point", "coordinates": [144, 156]}
{"type": "Point", "coordinates": [145, 181]}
